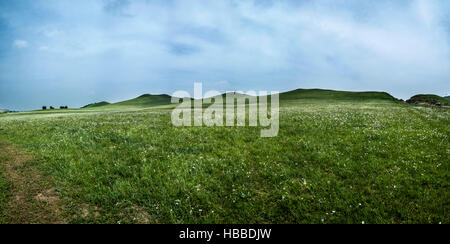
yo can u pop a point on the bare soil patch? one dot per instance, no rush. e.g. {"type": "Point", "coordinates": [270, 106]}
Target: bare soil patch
{"type": "Point", "coordinates": [33, 200]}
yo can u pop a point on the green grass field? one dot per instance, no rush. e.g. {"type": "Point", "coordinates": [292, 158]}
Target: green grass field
{"type": "Point", "coordinates": [339, 158]}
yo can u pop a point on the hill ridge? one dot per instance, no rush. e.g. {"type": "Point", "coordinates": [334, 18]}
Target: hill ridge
{"type": "Point", "coordinates": [327, 94]}
{"type": "Point", "coordinates": [428, 98]}
{"type": "Point", "coordinates": [95, 105]}
{"type": "Point", "coordinates": [151, 100]}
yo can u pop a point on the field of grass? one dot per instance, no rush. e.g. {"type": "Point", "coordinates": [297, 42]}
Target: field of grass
{"type": "Point", "coordinates": [337, 159]}
{"type": "Point", "coordinates": [5, 188]}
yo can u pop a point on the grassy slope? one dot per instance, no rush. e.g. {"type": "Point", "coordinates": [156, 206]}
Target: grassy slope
{"type": "Point", "coordinates": [335, 161]}
{"type": "Point", "coordinates": [429, 98]}
{"type": "Point", "coordinates": [331, 95]}
{"type": "Point", "coordinates": [96, 105]}
{"type": "Point", "coordinates": [144, 101]}
{"type": "Point", "coordinates": [141, 102]}
{"type": "Point", "coordinates": [308, 95]}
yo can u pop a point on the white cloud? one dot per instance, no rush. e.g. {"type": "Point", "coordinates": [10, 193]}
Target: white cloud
{"type": "Point", "coordinates": [20, 44]}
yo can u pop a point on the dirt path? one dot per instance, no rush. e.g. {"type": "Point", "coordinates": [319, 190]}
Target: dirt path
{"type": "Point", "coordinates": [32, 199]}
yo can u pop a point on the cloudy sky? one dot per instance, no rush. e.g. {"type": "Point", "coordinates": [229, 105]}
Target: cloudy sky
{"type": "Point", "coordinates": [65, 52]}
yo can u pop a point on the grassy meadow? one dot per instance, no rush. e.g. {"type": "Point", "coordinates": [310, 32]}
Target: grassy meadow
{"type": "Point", "coordinates": [338, 158]}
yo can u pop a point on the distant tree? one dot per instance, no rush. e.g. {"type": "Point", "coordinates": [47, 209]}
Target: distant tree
{"type": "Point", "coordinates": [51, 107]}
{"type": "Point", "coordinates": [44, 107]}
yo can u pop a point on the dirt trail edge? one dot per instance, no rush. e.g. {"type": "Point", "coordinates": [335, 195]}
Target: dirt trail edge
{"type": "Point", "coordinates": [32, 199]}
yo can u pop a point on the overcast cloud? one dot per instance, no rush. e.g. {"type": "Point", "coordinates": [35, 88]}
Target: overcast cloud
{"type": "Point", "coordinates": [64, 52]}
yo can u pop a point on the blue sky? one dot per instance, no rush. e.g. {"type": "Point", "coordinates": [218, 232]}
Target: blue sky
{"type": "Point", "coordinates": [64, 52]}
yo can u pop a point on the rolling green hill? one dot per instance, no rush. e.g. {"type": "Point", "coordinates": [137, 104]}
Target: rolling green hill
{"type": "Point", "coordinates": [429, 98]}
{"type": "Point", "coordinates": [320, 94]}
{"type": "Point", "coordinates": [302, 95]}
{"type": "Point", "coordinates": [327, 96]}
{"type": "Point", "coordinates": [146, 100]}
{"type": "Point", "coordinates": [96, 105]}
